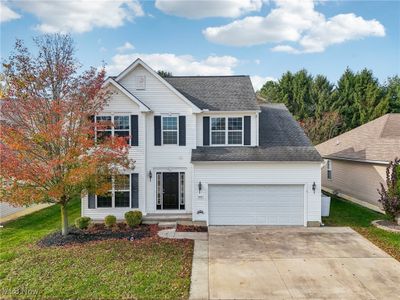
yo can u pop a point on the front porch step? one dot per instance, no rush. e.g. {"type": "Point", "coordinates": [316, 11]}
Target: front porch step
{"type": "Point", "coordinates": [167, 224]}
{"type": "Point", "coordinates": [157, 218]}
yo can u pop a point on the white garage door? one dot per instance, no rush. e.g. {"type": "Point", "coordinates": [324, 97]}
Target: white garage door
{"type": "Point", "coordinates": [256, 204]}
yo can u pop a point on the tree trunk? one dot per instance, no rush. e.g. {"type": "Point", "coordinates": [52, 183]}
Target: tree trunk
{"type": "Point", "coordinates": [64, 219]}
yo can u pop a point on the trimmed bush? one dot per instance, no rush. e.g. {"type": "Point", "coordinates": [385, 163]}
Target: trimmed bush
{"type": "Point", "coordinates": [110, 221]}
{"type": "Point", "coordinates": [82, 222]}
{"type": "Point", "coordinates": [133, 218]}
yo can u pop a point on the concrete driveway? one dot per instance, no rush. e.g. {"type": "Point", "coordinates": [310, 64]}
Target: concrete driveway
{"type": "Point", "coordinates": [255, 262]}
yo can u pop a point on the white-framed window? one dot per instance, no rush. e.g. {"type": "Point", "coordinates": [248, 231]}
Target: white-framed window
{"type": "Point", "coordinates": [329, 169]}
{"type": "Point", "coordinates": [119, 195]}
{"type": "Point", "coordinates": [121, 126]}
{"type": "Point", "coordinates": [226, 131]}
{"type": "Point", "coordinates": [169, 130]}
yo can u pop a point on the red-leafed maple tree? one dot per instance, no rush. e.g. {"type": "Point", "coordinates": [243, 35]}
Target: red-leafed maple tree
{"type": "Point", "coordinates": [47, 147]}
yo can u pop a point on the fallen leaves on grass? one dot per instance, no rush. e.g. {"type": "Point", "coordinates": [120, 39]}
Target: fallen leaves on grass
{"type": "Point", "coordinates": [382, 239]}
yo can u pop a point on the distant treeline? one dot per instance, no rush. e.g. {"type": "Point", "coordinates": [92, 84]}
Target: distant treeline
{"type": "Point", "coordinates": [324, 109]}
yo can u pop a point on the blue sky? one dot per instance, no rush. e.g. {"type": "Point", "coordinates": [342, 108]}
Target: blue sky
{"type": "Point", "coordinates": [255, 37]}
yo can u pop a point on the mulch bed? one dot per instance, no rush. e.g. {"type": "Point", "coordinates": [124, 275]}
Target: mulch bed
{"type": "Point", "coordinates": [387, 225]}
{"type": "Point", "coordinates": [191, 228]}
{"type": "Point", "coordinates": [98, 232]}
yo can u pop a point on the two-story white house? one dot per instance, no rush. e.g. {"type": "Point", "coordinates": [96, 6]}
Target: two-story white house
{"type": "Point", "coordinates": [203, 147]}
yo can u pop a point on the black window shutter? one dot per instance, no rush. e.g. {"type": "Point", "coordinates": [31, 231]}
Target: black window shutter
{"type": "Point", "coordinates": [157, 130]}
{"type": "Point", "coordinates": [91, 201]}
{"type": "Point", "coordinates": [91, 119]}
{"type": "Point", "coordinates": [134, 190]}
{"type": "Point", "coordinates": [134, 130]}
{"type": "Point", "coordinates": [206, 131]}
{"type": "Point", "coordinates": [247, 130]}
{"type": "Point", "coordinates": [182, 131]}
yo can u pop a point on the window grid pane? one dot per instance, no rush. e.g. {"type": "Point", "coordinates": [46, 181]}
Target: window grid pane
{"type": "Point", "coordinates": [234, 123]}
{"type": "Point", "coordinates": [104, 200]}
{"type": "Point", "coordinates": [121, 122]}
{"type": "Point", "coordinates": [121, 199]}
{"type": "Point", "coordinates": [218, 137]}
{"type": "Point", "coordinates": [234, 137]}
{"type": "Point", "coordinates": [121, 183]}
{"type": "Point", "coordinates": [217, 123]}
{"type": "Point", "coordinates": [170, 137]}
{"type": "Point", "coordinates": [170, 123]}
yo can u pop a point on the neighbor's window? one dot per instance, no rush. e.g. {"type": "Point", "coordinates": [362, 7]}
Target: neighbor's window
{"type": "Point", "coordinates": [119, 195]}
{"type": "Point", "coordinates": [227, 131]}
{"type": "Point", "coordinates": [329, 169]}
{"type": "Point", "coordinates": [121, 127]}
{"type": "Point", "coordinates": [170, 130]}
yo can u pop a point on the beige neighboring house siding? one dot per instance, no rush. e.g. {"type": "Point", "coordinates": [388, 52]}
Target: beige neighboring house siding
{"type": "Point", "coordinates": [7, 209]}
{"type": "Point", "coordinates": [358, 180]}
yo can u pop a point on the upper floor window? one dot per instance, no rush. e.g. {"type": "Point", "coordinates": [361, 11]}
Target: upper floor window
{"type": "Point", "coordinates": [227, 131]}
{"type": "Point", "coordinates": [121, 126]}
{"type": "Point", "coordinates": [170, 130]}
{"type": "Point", "coordinates": [329, 169]}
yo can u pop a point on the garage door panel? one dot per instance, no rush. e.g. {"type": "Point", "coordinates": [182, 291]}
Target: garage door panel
{"type": "Point", "coordinates": [256, 205]}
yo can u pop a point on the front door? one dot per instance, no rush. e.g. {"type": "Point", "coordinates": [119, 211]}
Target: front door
{"type": "Point", "coordinates": [170, 190]}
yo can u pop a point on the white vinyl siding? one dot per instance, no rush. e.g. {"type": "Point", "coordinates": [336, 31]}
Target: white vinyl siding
{"type": "Point", "coordinates": [251, 204]}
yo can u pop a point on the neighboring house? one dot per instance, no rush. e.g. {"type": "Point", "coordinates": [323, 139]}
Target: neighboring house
{"type": "Point", "coordinates": [7, 209]}
{"type": "Point", "coordinates": [356, 161]}
{"type": "Point", "coordinates": [204, 147]}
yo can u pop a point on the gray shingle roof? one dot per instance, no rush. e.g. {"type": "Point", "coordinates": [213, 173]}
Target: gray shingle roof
{"type": "Point", "coordinates": [281, 139]}
{"type": "Point", "coordinates": [217, 93]}
{"type": "Point", "coordinates": [377, 140]}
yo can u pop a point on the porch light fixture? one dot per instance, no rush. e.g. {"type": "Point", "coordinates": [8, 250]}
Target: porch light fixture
{"type": "Point", "coordinates": [150, 175]}
{"type": "Point", "coordinates": [314, 187]}
{"type": "Point", "coordinates": [200, 186]}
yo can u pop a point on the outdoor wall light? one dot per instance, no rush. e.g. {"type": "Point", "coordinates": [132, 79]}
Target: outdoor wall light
{"type": "Point", "coordinates": [150, 175]}
{"type": "Point", "coordinates": [200, 186]}
{"type": "Point", "coordinates": [314, 187]}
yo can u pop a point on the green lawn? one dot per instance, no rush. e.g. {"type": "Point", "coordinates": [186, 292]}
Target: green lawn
{"type": "Point", "coordinates": [152, 268]}
{"type": "Point", "coordinates": [345, 213]}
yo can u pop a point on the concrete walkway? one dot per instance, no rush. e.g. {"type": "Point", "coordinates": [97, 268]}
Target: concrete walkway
{"type": "Point", "coordinates": [171, 233]}
{"type": "Point", "coordinates": [256, 262]}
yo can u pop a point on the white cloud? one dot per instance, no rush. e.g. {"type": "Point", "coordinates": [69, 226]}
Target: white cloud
{"type": "Point", "coordinates": [125, 47]}
{"type": "Point", "coordinates": [285, 48]}
{"type": "Point", "coordinates": [294, 21]}
{"type": "Point", "coordinates": [176, 64]}
{"type": "Point", "coordinates": [259, 81]}
{"type": "Point", "coordinates": [208, 8]}
{"type": "Point", "coordinates": [81, 15]}
{"type": "Point", "coordinates": [257, 61]}
{"type": "Point", "coordinates": [6, 14]}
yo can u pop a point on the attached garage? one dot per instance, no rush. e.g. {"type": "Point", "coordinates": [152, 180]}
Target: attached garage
{"type": "Point", "coordinates": [256, 204]}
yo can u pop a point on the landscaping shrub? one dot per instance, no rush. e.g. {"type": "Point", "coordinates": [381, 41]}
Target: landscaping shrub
{"type": "Point", "coordinates": [82, 222]}
{"type": "Point", "coordinates": [110, 221]}
{"type": "Point", "coordinates": [133, 218]}
{"type": "Point", "coordinates": [390, 196]}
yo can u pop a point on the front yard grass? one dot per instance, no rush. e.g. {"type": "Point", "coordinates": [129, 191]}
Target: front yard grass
{"type": "Point", "coordinates": [345, 213]}
{"type": "Point", "coordinates": [151, 268]}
